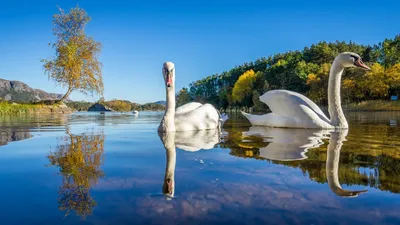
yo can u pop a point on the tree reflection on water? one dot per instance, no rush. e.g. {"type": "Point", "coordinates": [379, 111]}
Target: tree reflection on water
{"type": "Point", "coordinates": [79, 158]}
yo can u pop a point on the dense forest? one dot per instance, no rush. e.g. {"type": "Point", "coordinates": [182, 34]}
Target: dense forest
{"type": "Point", "coordinates": [305, 72]}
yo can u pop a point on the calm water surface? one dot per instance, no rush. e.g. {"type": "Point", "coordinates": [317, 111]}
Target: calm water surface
{"type": "Point", "coordinates": [88, 168]}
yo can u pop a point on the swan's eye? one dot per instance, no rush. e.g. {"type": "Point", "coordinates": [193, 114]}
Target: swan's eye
{"type": "Point", "coordinates": [355, 58]}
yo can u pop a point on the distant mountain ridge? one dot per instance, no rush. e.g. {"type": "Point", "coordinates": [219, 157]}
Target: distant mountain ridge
{"type": "Point", "coordinates": [160, 102]}
{"type": "Point", "coordinates": [17, 91]}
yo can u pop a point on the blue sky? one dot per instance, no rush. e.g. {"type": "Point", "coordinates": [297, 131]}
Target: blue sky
{"type": "Point", "coordinates": [200, 37]}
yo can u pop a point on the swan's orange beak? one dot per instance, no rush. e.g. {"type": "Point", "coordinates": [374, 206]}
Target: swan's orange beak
{"type": "Point", "coordinates": [168, 81]}
{"type": "Point", "coordinates": [360, 64]}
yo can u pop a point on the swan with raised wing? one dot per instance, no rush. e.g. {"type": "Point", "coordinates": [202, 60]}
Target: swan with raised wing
{"type": "Point", "coordinates": [293, 110]}
{"type": "Point", "coordinates": [191, 116]}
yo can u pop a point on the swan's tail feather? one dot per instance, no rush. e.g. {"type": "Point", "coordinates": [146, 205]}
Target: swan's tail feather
{"type": "Point", "coordinates": [269, 119]}
{"type": "Point", "coordinates": [245, 114]}
{"type": "Point", "coordinates": [248, 116]}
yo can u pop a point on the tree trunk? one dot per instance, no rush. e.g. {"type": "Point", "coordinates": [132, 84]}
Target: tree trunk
{"type": "Point", "coordinates": [66, 95]}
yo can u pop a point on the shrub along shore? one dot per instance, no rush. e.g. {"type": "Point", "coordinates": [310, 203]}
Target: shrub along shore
{"type": "Point", "coordinates": [373, 105]}
{"type": "Point", "coordinates": [7, 108]}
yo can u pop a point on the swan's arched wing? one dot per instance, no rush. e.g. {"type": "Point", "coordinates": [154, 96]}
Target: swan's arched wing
{"type": "Point", "coordinates": [187, 107]}
{"type": "Point", "coordinates": [289, 103]}
{"type": "Point", "coordinates": [203, 117]}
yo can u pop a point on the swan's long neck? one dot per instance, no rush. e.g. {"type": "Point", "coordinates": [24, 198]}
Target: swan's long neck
{"type": "Point", "coordinates": [168, 121]}
{"type": "Point", "coordinates": [334, 102]}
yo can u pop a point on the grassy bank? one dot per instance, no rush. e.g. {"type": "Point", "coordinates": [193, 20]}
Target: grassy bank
{"type": "Point", "coordinates": [13, 108]}
{"type": "Point", "coordinates": [373, 105]}
{"type": "Point", "coordinates": [7, 108]}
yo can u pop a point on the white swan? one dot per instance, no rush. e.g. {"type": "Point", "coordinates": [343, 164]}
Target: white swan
{"type": "Point", "coordinates": [291, 109]}
{"type": "Point", "coordinates": [187, 141]}
{"type": "Point", "coordinates": [135, 112]}
{"type": "Point", "coordinates": [191, 116]}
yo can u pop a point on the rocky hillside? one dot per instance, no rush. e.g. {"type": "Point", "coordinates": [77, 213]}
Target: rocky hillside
{"type": "Point", "coordinates": [17, 91]}
{"type": "Point", "coordinates": [160, 103]}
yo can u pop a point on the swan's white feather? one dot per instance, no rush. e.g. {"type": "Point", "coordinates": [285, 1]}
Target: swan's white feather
{"type": "Point", "coordinates": [289, 109]}
{"type": "Point", "coordinates": [187, 107]}
{"type": "Point", "coordinates": [197, 117]}
{"type": "Point", "coordinates": [287, 103]}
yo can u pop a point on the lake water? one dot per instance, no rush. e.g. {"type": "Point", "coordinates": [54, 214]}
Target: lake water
{"type": "Point", "coordinates": [88, 168]}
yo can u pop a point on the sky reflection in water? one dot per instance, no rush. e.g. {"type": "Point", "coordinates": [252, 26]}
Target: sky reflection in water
{"type": "Point", "coordinates": [88, 168]}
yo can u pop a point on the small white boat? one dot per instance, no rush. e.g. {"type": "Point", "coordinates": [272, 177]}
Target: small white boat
{"type": "Point", "coordinates": [135, 112]}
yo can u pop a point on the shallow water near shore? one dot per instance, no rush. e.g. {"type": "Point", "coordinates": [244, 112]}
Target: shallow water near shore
{"type": "Point", "coordinates": [89, 168]}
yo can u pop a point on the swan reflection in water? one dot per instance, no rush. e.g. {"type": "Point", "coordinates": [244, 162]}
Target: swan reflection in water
{"type": "Point", "coordinates": [281, 144]}
{"type": "Point", "coordinates": [332, 164]}
{"type": "Point", "coordinates": [287, 144]}
{"type": "Point", "coordinates": [292, 144]}
{"type": "Point", "coordinates": [188, 141]}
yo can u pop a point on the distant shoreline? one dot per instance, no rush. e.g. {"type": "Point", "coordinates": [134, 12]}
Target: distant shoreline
{"type": "Point", "coordinates": [7, 108]}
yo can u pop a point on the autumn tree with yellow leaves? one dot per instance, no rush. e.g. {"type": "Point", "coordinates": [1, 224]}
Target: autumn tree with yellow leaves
{"type": "Point", "coordinates": [243, 88]}
{"type": "Point", "coordinates": [318, 84]}
{"type": "Point", "coordinates": [374, 83]}
{"type": "Point", "coordinates": [76, 65]}
{"type": "Point", "coordinates": [119, 105]}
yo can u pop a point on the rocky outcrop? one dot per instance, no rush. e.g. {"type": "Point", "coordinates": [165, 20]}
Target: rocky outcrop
{"type": "Point", "coordinates": [49, 96]}
{"type": "Point", "coordinates": [97, 107]}
{"type": "Point", "coordinates": [59, 108]}
{"type": "Point", "coordinates": [17, 91]}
